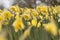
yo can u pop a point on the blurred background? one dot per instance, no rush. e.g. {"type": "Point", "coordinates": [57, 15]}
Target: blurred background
{"type": "Point", "coordinates": [27, 3]}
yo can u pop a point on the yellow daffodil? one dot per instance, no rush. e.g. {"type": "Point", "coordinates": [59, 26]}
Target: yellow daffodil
{"type": "Point", "coordinates": [18, 25]}
{"type": "Point", "coordinates": [51, 28]}
{"type": "Point", "coordinates": [26, 16]}
{"type": "Point", "coordinates": [39, 25]}
{"type": "Point", "coordinates": [44, 9]}
{"type": "Point", "coordinates": [34, 22]}
{"type": "Point", "coordinates": [27, 11]}
{"type": "Point", "coordinates": [38, 8]}
{"type": "Point", "coordinates": [21, 9]}
{"type": "Point", "coordinates": [1, 17]}
{"type": "Point", "coordinates": [17, 16]}
{"type": "Point", "coordinates": [7, 14]}
{"type": "Point", "coordinates": [54, 11]}
{"type": "Point", "coordinates": [27, 32]}
{"type": "Point", "coordinates": [47, 16]}
{"type": "Point", "coordinates": [15, 8]}
{"type": "Point", "coordinates": [34, 13]}
{"type": "Point", "coordinates": [57, 9]}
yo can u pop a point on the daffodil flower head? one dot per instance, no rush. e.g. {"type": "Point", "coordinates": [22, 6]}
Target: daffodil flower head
{"type": "Point", "coordinates": [7, 14]}
{"type": "Point", "coordinates": [38, 8]}
{"type": "Point", "coordinates": [1, 18]}
{"type": "Point", "coordinates": [39, 24]}
{"type": "Point", "coordinates": [26, 16]}
{"type": "Point", "coordinates": [51, 28]}
{"type": "Point", "coordinates": [34, 13]}
{"type": "Point", "coordinates": [34, 22]}
{"type": "Point", "coordinates": [44, 9]}
{"type": "Point", "coordinates": [18, 24]}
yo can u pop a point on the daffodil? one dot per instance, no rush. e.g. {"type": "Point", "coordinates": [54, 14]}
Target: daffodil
{"type": "Point", "coordinates": [1, 18]}
{"type": "Point", "coordinates": [26, 16]}
{"type": "Point", "coordinates": [51, 28]}
{"type": "Point", "coordinates": [39, 24]}
{"type": "Point", "coordinates": [17, 16]}
{"type": "Point", "coordinates": [34, 22]}
{"type": "Point", "coordinates": [7, 14]}
{"type": "Point", "coordinates": [1, 21]}
{"type": "Point", "coordinates": [44, 9]}
{"type": "Point", "coordinates": [47, 16]}
{"type": "Point", "coordinates": [27, 32]}
{"type": "Point", "coordinates": [27, 11]}
{"type": "Point", "coordinates": [38, 8]}
{"type": "Point", "coordinates": [54, 11]}
{"type": "Point", "coordinates": [57, 9]}
{"type": "Point", "coordinates": [18, 25]}
{"type": "Point", "coordinates": [21, 9]}
{"type": "Point", "coordinates": [15, 8]}
{"type": "Point", "coordinates": [34, 13]}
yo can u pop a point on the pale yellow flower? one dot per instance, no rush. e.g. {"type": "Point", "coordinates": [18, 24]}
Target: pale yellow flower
{"type": "Point", "coordinates": [54, 11]}
{"type": "Point", "coordinates": [38, 8]}
{"type": "Point", "coordinates": [1, 18]}
{"type": "Point", "coordinates": [44, 9]}
{"type": "Point", "coordinates": [51, 28]}
{"type": "Point", "coordinates": [7, 14]}
{"type": "Point", "coordinates": [17, 16]}
{"type": "Point", "coordinates": [39, 24]}
{"type": "Point", "coordinates": [15, 8]}
{"type": "Point", "coordinates": [58, 9]}
{"type": "Point", "coordinates": [18, 25]}
{"type": "Point", "coordinates": [27, 11]}
{"type": "Point", "coordinates": [47, 16]}
{"type": "Point", "coordinates": [34, 22]}
{"type": "Point", "coordinates": [27, 32]}
{"type": "Point", "coordinates": [26, 16]}
{"type": "Point", "coordinates": [34, 13]}
{"type": "Point", "coordinates": [21, 9]}
{"type": "Point", "coordinates": [1, 21]}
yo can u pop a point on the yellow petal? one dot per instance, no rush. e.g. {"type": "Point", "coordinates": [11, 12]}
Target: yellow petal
{"type": "Point", "coordinates": [34, 22]}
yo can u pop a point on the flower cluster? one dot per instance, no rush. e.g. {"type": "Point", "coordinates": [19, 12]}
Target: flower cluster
{"type": "Point", "coordinates": [41, 16]}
